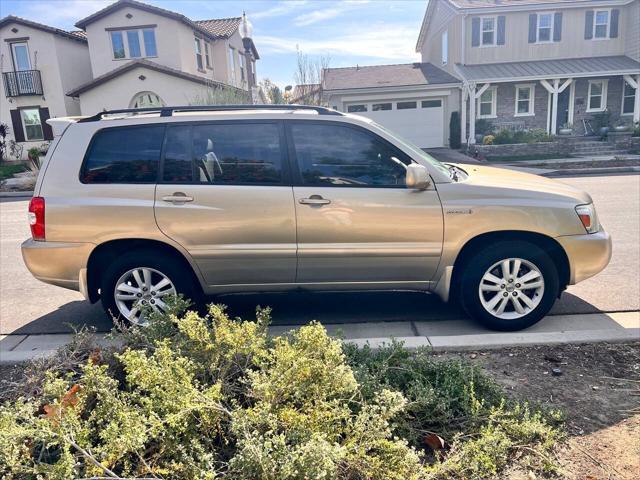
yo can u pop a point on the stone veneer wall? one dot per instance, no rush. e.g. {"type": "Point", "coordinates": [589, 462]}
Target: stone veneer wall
{"type": "Point", "coordinates": [543, 148]}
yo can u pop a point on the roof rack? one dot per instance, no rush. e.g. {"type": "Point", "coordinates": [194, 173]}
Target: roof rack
{"type": "Point", "coordinates": [169, 111]}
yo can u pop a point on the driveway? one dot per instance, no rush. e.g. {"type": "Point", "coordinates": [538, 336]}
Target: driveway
{"type": "Point", "coordinates": [28, 306]}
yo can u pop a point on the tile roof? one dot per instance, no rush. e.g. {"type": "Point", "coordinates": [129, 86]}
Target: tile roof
{"type": "Point", "coordinates": [381, 76]}
{"type": "Point", "coordinates": [220, 27]}
{"type": "Point", "coordinates": [562, 68]}
{"type": "Point", "coordinates": [45, 28]}
{"type": "Point", "coordinates": [143, 63]}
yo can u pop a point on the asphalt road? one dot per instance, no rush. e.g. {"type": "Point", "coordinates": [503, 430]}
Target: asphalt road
{"type": "Point", "coordinates": [28, 306]}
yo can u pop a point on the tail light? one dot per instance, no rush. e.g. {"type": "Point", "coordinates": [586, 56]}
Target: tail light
{"type": "Point", "coordinates": [36, 218]}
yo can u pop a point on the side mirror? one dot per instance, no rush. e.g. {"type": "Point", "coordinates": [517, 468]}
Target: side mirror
{"type": "Point", "coordinates": [417, 177]}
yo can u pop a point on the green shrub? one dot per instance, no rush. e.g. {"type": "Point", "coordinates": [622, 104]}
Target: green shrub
{"type": "Point", "coordinates": [193, 397]}
{"type": "Point", "coordinates": [508, 136]}
{"type": "Point", "coordinates": [455, 131]}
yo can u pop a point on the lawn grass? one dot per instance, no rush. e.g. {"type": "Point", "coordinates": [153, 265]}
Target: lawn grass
{"type": "Point", "coordinates": [7, 171]}
{"type": "Point", "coordinates": [520, 158]}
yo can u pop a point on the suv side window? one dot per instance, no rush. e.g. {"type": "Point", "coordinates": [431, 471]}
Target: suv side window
{"type": "Point", "coordinates": [124, 155]}
{"type": "Point", "coordinates": [224, 154]}
{"type": "Point", "coordinates": [345, 156]}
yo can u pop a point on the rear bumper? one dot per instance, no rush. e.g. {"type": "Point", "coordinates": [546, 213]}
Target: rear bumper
{"type": "Point", "coordinates": [58, 263]}
{"type": "Point", "coordinates": [588, 254]}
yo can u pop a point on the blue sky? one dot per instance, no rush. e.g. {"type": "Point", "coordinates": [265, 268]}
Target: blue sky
{"type": "Point", "coordinates": [350, 32]}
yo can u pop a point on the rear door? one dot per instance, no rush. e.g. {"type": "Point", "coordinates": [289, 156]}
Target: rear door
{"type": "Point", "coordinates": [225, 196]}
{"type": "Point", "coordinates": [356, 220]}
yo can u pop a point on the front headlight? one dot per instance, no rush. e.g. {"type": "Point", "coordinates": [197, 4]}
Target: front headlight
{"type": "Point", "coordinates": [588, 217]}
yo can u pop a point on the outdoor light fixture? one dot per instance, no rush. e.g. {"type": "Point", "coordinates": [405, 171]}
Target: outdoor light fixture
{"type": "Point", "coordinates": [245, 29]}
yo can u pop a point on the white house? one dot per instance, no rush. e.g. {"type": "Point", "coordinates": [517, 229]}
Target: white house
{"type": "Point", "coordinates": [39, 64]}
{"type": "Point", "coordinates": [142, 55]}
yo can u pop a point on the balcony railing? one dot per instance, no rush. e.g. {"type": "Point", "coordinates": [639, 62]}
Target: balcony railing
{"type": "Point", "coordinates": [24, 82]}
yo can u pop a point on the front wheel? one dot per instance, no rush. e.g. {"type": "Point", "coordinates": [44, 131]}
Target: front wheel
{"type": "Point", "coordinates": [509, 285]}
{"type": "Point", "coordinates": [142, 281]}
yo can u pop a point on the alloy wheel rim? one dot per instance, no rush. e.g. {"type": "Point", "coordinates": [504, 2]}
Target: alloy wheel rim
{"type": "Point", "coordinates": [511, 288]}
{"type": "Point", "coordinates": [141, 290]}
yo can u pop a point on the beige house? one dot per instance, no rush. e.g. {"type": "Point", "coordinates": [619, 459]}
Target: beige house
{"type": "Point", "coordinates": [538, 63]}
{"type": "Point", "coordinates": [39, 64]}
{"type": "Point", "coordinates": [142, 55]}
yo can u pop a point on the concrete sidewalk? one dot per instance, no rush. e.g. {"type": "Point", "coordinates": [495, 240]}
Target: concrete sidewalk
{"type": "Point", "coordinates": [445, 335]}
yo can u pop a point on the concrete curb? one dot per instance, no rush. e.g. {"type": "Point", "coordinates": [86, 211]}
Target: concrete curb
{"type": "Point", "coordinates": [572, 172]}
{"type": "Point", "coordinates": [16, 194]}
{"type": "Point", "coordinates": [603, 327]}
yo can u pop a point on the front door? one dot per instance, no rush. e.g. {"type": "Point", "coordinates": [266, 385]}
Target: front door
{"type": "Point", "coordinates": [562, 117]}
{"type": "Point", "coordinates": [226, 198]}
{"type": "Point", "coordinates": [356, 220]}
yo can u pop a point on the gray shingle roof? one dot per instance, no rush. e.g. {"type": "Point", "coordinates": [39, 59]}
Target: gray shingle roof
{"type": "Point", "coordinates": [591, 66]}
{"type": "Point", "coordinates": [373, 76]}
{"type": "Point", "coordinates": [464, 4]}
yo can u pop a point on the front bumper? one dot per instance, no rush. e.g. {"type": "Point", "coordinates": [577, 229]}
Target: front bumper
{"type": "Point", "coordinates": [58, 263]}
{"type": "Point", "coordinates": [588, 254]}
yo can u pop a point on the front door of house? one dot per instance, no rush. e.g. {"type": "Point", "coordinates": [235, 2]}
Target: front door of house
{"type": "Point", "coordinates": [562, 115]}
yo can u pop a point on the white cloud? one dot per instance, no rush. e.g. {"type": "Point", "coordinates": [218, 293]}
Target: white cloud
{"type": "Point", "coordinates": [327, 13]}
{"type": "Point", "coordinates": [63, 14]}
{"type": "Point", "coordinates": [384, 41]}
{"type": "Point", "coordinates": [280, 9]}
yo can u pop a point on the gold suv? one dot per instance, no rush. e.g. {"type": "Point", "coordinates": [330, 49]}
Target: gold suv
{"type": "Point", "coordinates": [134, 205]}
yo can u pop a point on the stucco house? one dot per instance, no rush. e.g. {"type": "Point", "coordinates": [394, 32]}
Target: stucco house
{"type": "Point", "coordinates": [519, 64]}
{"type": "Point", "coordinates": [142, 55]}
{"type": "Point", "coordinates": [39, 64]}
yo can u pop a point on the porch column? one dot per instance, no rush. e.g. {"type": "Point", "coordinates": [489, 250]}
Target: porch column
{"type": "Point", "coordinates": [635, 83]}
{"type": "Point", "coordinates": [555, 90]}
{"type": "Point", "coordinates": [463, 114]}
{"type": "Point", "coordinates": [472, 114]}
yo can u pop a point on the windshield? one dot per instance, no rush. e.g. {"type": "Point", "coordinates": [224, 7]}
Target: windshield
{"type": "Point", "coordinates": [417, 153]}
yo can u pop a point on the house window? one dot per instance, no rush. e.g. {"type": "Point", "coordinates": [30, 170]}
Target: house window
{"type": "Point", "coordinates": [487, 103]}
{"type": "Point", "coordinates": [207, 57]}
{"type": "Point", "coordinates": [488, 31]}
{"type": "Point", "coordinates": [376, 107]}
{"type": "Point", "coordinates": [243, 60]}
{"type": "Point", "coordinates": [524, 100]}
{"type": "Point", "coordinates": [356, 108]}
{"type": "Point", "coordinates": [601, 24]}
{"type": "Point", "coordinates": [198, 47]}
{"type": "Point", "coordinates": [406, 105]}
{"type": "Point", "coordinates": [21, 60]}
{"type": "Point", "coordinates": [545, 27]}
{"type": "Point", "coordinates": [628, 99]}
{"type": "Point", "coordinates": [431, 103]}
{"type": "Point", "coordinates": [232, 64]}
{"type": "Point", "coordinates": [130, 43]}
{"type": "Point", "coordinates": [146, 99]}
{"type": "Point", "coordinates": [597, 96]}
{"type": "Point", "coordinates": [445, 47]}
{"type": "Point", "coordinates": [31, 124]}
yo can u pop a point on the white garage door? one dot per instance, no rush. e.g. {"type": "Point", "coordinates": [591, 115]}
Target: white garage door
{"type": "Point", "coordinates": [420, 121]}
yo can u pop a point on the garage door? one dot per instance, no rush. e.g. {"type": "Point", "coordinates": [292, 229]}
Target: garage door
{"type": "Point", "coordinates": [420, 121]}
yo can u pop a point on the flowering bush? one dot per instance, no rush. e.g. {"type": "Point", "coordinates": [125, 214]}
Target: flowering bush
{"type": "Point", "coordinates": [203, 397]}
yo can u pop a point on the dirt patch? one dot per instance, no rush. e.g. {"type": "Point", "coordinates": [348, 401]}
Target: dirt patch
{"type": "Point", "coordinates": [597, 386]}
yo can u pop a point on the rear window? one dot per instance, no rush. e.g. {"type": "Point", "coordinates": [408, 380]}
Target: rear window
{"type": "Point", "coordinates": [124, 155]}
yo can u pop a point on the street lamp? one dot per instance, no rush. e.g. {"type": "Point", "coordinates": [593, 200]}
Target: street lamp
{"type": "Point", "coordinates": [246, 31]}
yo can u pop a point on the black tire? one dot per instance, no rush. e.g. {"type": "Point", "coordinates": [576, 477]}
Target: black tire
{"type": "Point", "coordinates": [171, 267]}
{"type": "Point", "coordinates": [475, 268]}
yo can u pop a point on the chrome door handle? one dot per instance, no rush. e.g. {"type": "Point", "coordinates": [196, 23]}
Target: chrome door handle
{"type": "Point", "coordinates": [314, 200]}
{"type": "Point", "coordinates": [177, 197]}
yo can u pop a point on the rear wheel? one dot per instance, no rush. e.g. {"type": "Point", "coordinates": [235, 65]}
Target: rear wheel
{"type": "Point", "coordinates": [509, 285]}
{"type": "Point", "coordinates": [142, 281]}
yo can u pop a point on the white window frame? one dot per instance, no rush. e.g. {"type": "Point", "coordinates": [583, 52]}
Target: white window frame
{"type": "Point", "coordinates": [633, 95]}
{"type": "Point", "coordinates": [243, 67]}
{"type": "Point", "coordinates": [595, 23]}
{"type": "Point", "coordinates": [494, 103]}
{"type": "Point", "coordinates": [207, 55]}
{"type": "Point", "coordinates": [532, 94]}
{"type": "Point", "coordinates": [445, 47]}
{"type": "Point", "coordinates": [13, 55]}
{"type": "Point", "coordinates": [495, 31]}
{"type": "Point", "coordinates": [551, 27]}
{"type": "Point", "coordinates": [24, 125]}
{"type": "Point", "coordinates": [197, 44]}
{"type": "Point", "coordinates": [603, 96]}
{"type": "Point", "coordinates": [125, 42]}
{"type": "Point", "coordinates": [232, 65]}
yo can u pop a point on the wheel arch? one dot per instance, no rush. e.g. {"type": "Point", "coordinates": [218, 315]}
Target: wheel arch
{"type": "Point", "coordinates": [104, 253]}
{"type": "Point", "coordinates": [548, 244]}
